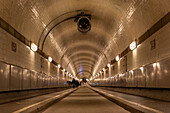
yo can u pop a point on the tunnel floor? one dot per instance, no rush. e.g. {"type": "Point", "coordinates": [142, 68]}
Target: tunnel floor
{"type": "Point", "coordinates": [84, 100]}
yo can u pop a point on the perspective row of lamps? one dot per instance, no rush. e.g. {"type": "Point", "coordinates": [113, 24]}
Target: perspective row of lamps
{"type": "Point", "coordinates": [35, 48]}
{"type": "Point", "coordinates": [132, 46]}
{"type": "Point", "coordinates": [64, 70]}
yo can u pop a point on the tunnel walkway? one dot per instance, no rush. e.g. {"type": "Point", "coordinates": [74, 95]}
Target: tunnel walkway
{"type": "Point", "coordinates": [84, 100]}
{"type": "Point", "coordinates": [14, 106]}
{"type": "Point", "coordinates": [139, 102]}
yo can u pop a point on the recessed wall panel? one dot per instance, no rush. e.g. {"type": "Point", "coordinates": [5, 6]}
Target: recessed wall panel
{"type": "Point", "coordinates": [150, 72]}
{"type": "Point", "coordinates": [33, 80]}
{"type": "Point", "coordinates": [141, 77]}
{"type": "Point", "coordinates": [4, 76]}
{"type": "Point", "coordinates": [16, 78]}
{"type": "Point", "coordinates": [39, 80]}
{"type": "Point", "coordinates": [26, 79]}
{"type": "Point", "coordinates": [163, 74]}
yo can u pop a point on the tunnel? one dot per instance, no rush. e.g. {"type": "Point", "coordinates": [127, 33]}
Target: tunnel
{"type": "Point", "coordinates": [84, 56]}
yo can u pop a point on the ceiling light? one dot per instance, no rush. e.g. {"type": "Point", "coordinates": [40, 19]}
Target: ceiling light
{"type": "Point", "coordinates": [117, 58]}
{"type": "Point", "coordinates": [50, 59]}
{"type": "Point", "coordinates": [133, 45]}
{"type": "Point", "coordinates": [34, 47]}
{"type": "Point", "coordinates": [103, 69]}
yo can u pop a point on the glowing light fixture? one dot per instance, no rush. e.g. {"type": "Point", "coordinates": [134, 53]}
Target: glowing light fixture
{"type": "Point", "coordinates": [50, 59]}
{"type": "Point", "coordinates": [108, 65]}
{"type": "Point", "coordinates": [59, 66]}
{"type": "Point", "coordinates": [133, 45]}
{"type": "Point", "coordinates": [141, 68]}
{"type": "Point", "coordinates": [100, 71]}
{"type": "Point", "coordinates": [103, 69]}
{"type": "Point", "coordinates": [34, 47]}
{"type": "Point", "coordinates": [117, 58]}
{"type": "Point", "coordinates": [64, 70]}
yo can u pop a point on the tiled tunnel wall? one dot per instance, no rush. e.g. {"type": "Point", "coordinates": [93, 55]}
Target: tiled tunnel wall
{"type": "Point", "coordinates": [146, 66]}
{"type": "Point", "coordinates": [22, 69]}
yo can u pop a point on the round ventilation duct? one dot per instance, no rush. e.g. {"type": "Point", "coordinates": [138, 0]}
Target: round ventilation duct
{"type": "Point", "coordinates": [84, 24]}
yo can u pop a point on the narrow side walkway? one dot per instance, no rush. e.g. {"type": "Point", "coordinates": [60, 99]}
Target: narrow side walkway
{"type": "Point", "coordinates": [84, 100]}
{"type": "Point", "coordinates": [162, 106]}
{"type": "Point", "coordinates": [16, 105]}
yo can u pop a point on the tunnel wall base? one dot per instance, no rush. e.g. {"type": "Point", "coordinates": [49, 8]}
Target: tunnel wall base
{"type": "Point", "coordinates": [154, 93]}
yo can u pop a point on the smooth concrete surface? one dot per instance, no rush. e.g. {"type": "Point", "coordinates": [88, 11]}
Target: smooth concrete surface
{"type": "Point", "coordinates": [84, 100]}
{"type": "Point", "coordinates": [6, 97]}
{"type": "Point", "coordinates": [17, 105]}
{"type": "Point", "coordinates": [159, 94]}
{"type": "Point", "coordinates": [162, 106]}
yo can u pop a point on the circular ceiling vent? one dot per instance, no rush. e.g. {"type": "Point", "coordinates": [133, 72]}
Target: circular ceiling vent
{"type": "Point", "coordinates": [83, 24]}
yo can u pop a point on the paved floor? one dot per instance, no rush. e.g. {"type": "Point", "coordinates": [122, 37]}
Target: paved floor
{"type": "Point", "coordinates": [84, 100]}
{"type": "Point", "coordinates": [162, 106]}
{"type": "Point", "coordinates": [16, 105]}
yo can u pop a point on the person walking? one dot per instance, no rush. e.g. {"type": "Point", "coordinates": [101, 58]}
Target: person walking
{"type": "Point", "coordinates": [74, 83]}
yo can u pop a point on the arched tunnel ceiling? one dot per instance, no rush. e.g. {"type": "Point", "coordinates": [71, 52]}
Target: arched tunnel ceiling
{"type": "Point", "coordinates": [50, 24]}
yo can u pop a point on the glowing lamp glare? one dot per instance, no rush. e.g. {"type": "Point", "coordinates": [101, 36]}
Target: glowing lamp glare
{"type": "Point", "coordinates": [133, 45]}
{"type": "Point", "coordinates": [117, 58]}
{"type": "Point", "coordinates": [59, 66]}
{"type": "Point", "coordinates": [34, 47]}
{"type": "Point", "coordinates": [50, 59]}
{"type": "Point", "coordinates": [108, 65]}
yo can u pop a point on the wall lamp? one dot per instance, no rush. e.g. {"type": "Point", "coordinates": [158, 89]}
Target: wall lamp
{"type": "Point", "coordinates": [59, 66]}
{"type": "Point", "coordinates": [34, 47]}
{"type": "Point", "coordinates": [50, 59]}
{"type": "Point", "coordinates": [108, 65]}
{"type": "Point", "coordinates": [117, 58]}
{"type": "Point", "coordinates": [133, 45]}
